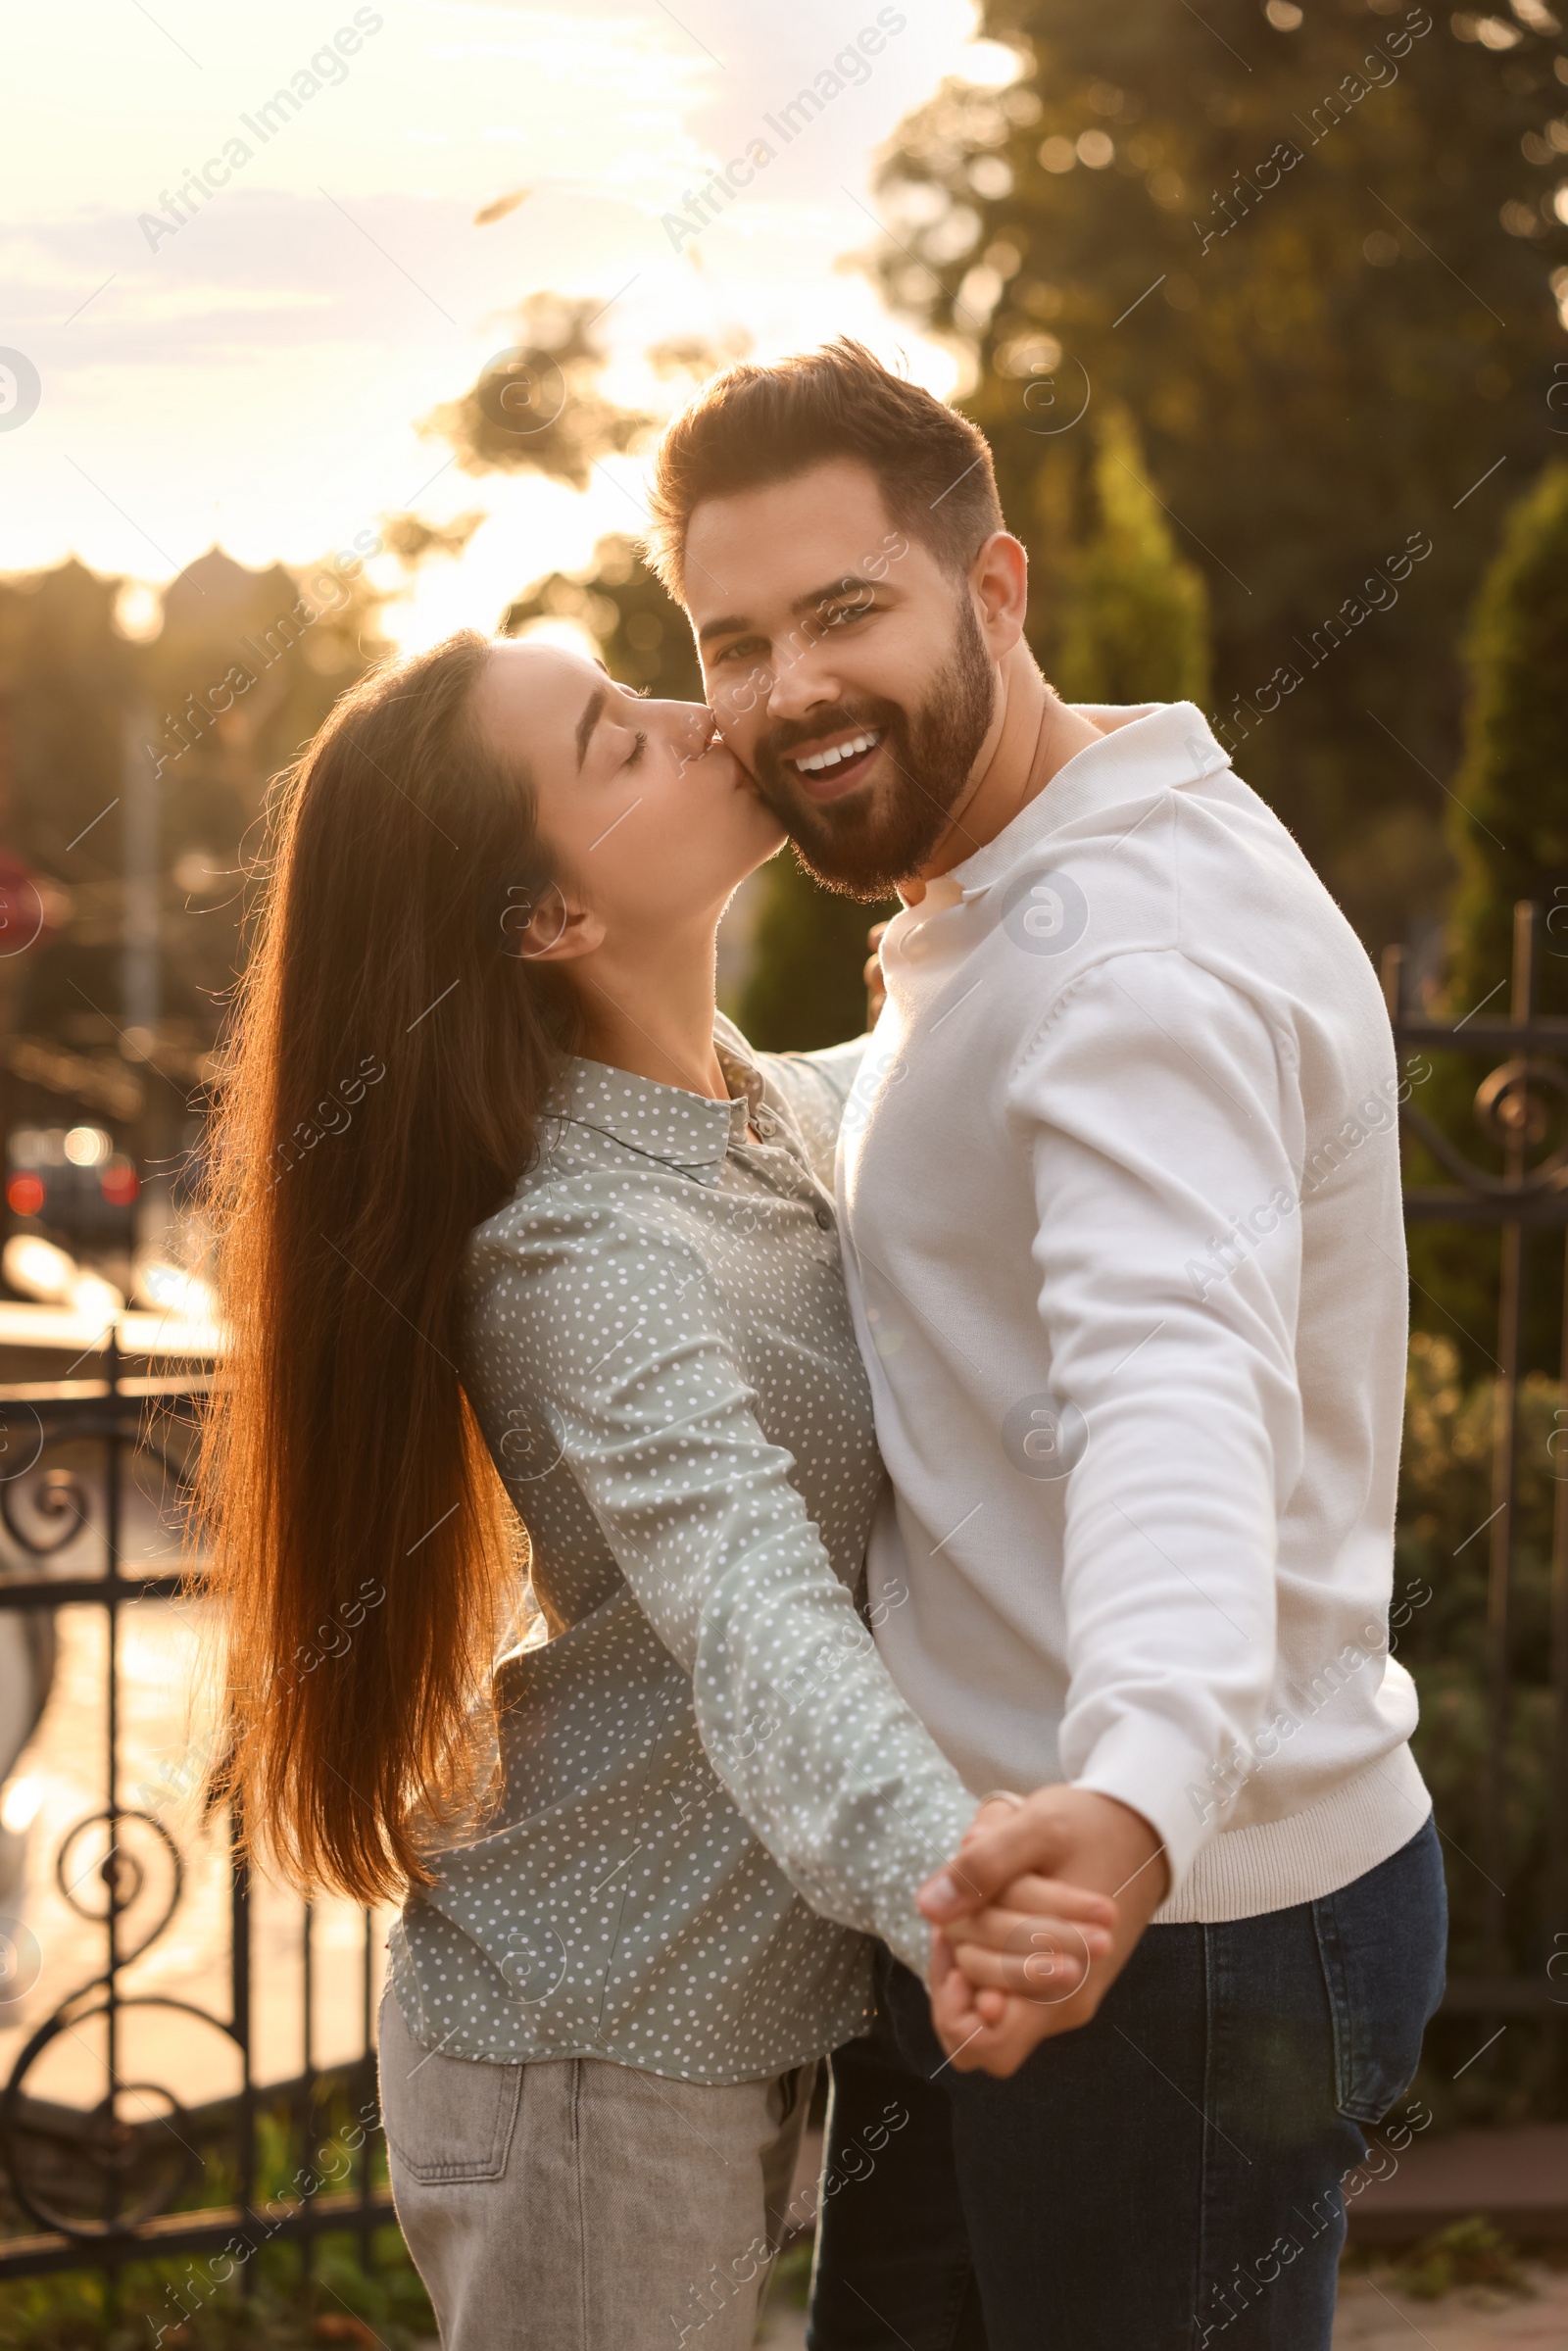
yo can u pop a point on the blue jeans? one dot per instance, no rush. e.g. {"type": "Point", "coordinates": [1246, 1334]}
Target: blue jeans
{"type": "Point", "coordinates": [1167, 2178]}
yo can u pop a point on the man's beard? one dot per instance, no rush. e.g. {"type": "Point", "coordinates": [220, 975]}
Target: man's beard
{"type": "Point", "coordinates": [863, 844]}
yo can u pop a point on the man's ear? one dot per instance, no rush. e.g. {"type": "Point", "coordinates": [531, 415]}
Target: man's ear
{"type": "Point", "coordinates": [553, 929]}
{"type": "Point", "coordinates": [1000, 579]}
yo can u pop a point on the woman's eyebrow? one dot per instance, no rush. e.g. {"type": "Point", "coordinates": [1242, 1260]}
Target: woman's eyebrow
{"type": "Point", "coordinates": [592, 712]}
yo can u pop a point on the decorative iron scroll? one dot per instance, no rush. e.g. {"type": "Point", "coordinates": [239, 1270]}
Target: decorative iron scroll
{"type": "Point", "coordinates": [1510, 1112]}
{"type": "Point", "coordinates": [100, 2181]}
{"type": "Point", "coordinates": [115, 2169]}
{"type": "Point", "coordinates": [1519, 1107]}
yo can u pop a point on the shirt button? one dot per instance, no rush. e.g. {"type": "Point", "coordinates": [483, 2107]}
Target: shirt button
{"type": "Point", "coordinates": [824, 1217]}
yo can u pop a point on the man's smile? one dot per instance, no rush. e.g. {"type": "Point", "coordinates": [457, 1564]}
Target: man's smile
{"type": "Point", "coordinates": [831, 764]}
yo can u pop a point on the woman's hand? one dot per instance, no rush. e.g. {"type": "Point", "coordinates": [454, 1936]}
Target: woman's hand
{"type": "Point", "coordinates": [988, 2031]}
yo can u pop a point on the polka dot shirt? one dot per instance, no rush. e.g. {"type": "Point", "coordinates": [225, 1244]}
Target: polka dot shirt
{"type": "Point", "coordinates": [713, 1792]}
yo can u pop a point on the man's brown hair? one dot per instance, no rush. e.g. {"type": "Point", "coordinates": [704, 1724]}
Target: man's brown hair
{"type": "Point", "coordinates": [754, 424]}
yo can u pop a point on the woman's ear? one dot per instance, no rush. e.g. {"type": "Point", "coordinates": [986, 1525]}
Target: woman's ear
{"type": "Point", "coordinates": [546, 926]}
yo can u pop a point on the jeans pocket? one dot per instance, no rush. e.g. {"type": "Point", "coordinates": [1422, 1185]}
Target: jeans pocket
{"type": "Point", "coordinates": [1381, 1941]}
{"type": "Point", "coordinates": [445, 2118]}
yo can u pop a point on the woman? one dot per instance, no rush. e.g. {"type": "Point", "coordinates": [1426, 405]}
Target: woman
{"type": "Point", "coordinates": [534, 1283]}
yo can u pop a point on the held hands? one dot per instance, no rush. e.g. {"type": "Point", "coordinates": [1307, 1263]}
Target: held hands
{"type": "Point", "coordinates": [1036, 1916]}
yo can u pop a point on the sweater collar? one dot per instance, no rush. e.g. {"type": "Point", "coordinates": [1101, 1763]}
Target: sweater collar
{"type": "Point", "coordinates": [1149, 747]}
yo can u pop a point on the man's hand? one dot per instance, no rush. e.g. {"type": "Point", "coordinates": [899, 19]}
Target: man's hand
{"type": "Point", "coordinates": [1036, 1920]}
{"type": "Point", "coordinates": [1004, 1977]}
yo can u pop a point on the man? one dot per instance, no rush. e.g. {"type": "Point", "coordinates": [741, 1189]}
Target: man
{"type": "Point", "coordinates": [1120, 1200]}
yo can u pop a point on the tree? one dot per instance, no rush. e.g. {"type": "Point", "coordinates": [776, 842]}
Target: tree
{"type": "Point", "coordinates": [1135, 618]}
{"type": "Point", "coordinates": [1509, 822]}
{"type": "Point", "coordinates": [1311, 254]}
{"type": "Point", "coordinates": [537, 406]}
{"type": "Point", "coordinates": [78, 687]}
{"type": "Point", "coordinates": [643, 636]}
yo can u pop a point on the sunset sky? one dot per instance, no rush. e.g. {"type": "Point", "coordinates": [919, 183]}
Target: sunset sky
{"type": "Point", "coordinates": [253, 367]}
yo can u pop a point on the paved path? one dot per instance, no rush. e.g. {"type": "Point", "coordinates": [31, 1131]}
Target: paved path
{"type": "Point", "coordinates": [1371, 2319]}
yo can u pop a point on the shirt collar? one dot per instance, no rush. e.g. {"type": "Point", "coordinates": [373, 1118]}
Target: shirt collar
{"type": "Point", "coordinates": [684, 1131]}
{"type": "Point", "coordinates": [1151, 747]}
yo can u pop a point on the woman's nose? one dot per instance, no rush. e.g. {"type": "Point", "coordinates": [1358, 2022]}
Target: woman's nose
{"type": "Point", "coordinates": [701, 728]}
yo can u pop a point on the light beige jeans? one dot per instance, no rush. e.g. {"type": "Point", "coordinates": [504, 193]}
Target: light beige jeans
{"type": "Point", "coordinates": [575, 2205]}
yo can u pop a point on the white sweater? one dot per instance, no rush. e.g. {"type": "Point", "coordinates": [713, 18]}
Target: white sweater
{"type": "Point", "coordinates": [1120, 1188]}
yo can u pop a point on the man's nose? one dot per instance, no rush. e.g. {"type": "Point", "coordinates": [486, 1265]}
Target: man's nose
{"type": "Point", "coordinates": [801, 686]}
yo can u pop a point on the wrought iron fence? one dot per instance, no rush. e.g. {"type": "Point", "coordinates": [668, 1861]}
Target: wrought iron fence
{"type": "Point", "coordinates": [1517, 1105]}
{"type": "Point", "coordinates": [104, 2185]}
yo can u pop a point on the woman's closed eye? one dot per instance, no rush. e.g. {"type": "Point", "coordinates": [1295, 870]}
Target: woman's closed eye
{"type": "Point", "coordinates": [639, 745]}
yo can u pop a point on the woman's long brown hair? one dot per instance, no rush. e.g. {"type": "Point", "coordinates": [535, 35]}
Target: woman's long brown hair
{"type": "Point", "coordinates": [387, 1065]}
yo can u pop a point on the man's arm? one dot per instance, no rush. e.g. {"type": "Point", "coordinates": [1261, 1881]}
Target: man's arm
{"type": "Point", "coordinates": [800, 1719]}
{"type": "Point", "coordinates": [1161, 1111]}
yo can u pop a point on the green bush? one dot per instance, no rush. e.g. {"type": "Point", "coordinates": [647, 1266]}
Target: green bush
{"type": "Point", "coordinates": [1135, 617]}
{"type": "Point", "coordinates": [1509, 821]}
{"type": "Point", "coordinates": [342, 2303]}
{"type": "Point", "coordinates": [1440, 1632]}
{"type": "Point", "coordinates": [1508, 825]}
{"type": "Point", "coordinates": [806, 986]}
{"type": "Point", "coordinates": [1468, 2252]}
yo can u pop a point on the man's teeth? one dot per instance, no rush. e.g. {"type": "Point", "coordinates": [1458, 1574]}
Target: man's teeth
{"type": "Point", "coordinates": [820, 760]}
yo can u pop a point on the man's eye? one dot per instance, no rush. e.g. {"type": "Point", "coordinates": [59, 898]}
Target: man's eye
{"type": "Point", "coordinates": [742, 649]}
{"type": "Point", "coordinates": [847, 611]}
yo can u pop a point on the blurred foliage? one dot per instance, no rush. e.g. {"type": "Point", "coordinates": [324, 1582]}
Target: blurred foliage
{"type": "Point", "coordinates": [215, 684]}
{"type": "Point", "coordinates": [1510, 823]}
{"type": "Point", "coordinates": [537, 406]}
{"type": "Point", "coordinates": [1318, 368]}
{"type": "Point", "coordinates": [65, 675]}
{"type": "Point", "coordinates": [1136, 613]}
{"type": "Point", "coordinates": [197, 2302]}
{"type": "Point", "coordinates": [74, 691]}
{"type": "Point", "coordinates": [1467, 2253]}
{"type": "Point", "coordinates": [644, 638]}
{"type": "Point", "coordinates": [807, 985]}
{"type": "Point", "coordinates": [341, 2303]}
{"type": "Point", "coordinates": [1440, 1632]}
